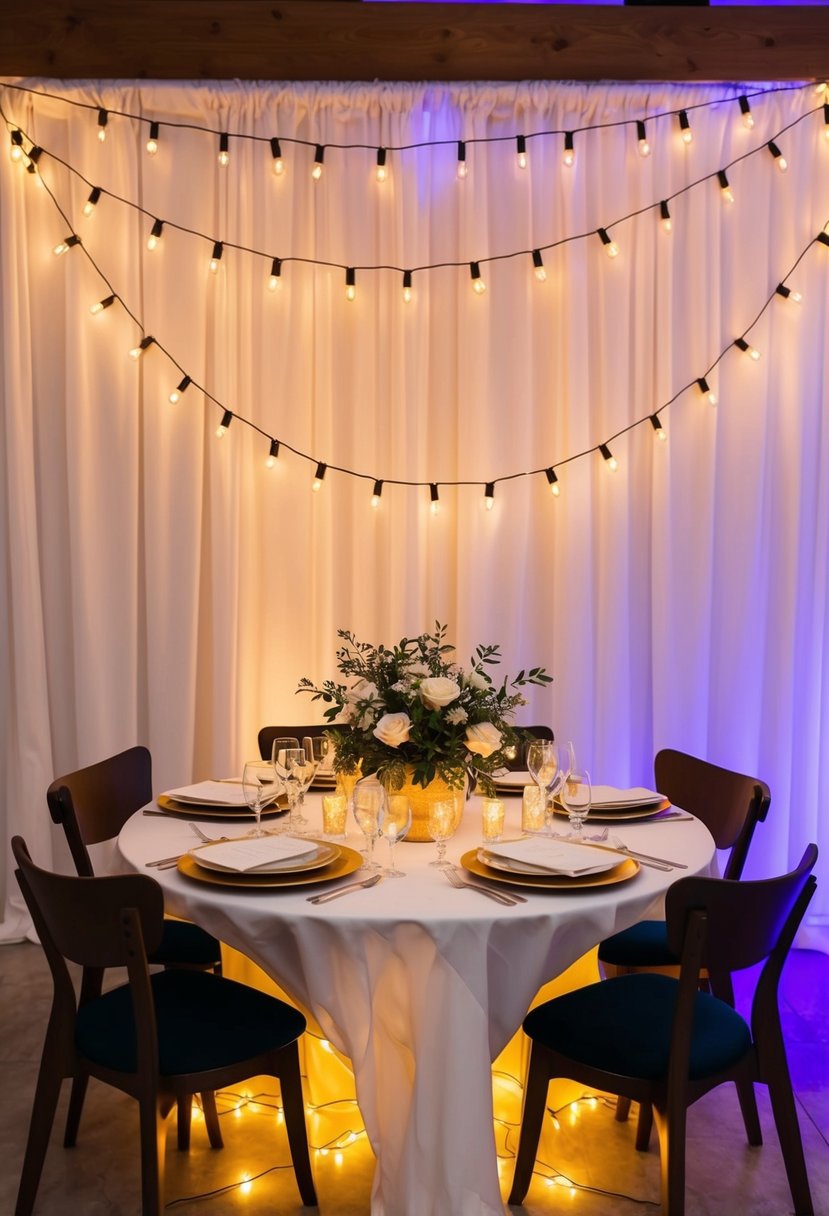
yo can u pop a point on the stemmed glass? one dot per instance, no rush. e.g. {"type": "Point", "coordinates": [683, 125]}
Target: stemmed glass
{"type": "Point", "coordinates": [396, 823]}
{"type": "Point", "coordinates": [369, 805]}
{"type": "Point", "coordinates": [259, 787]}
{"type": "Point", "coordinates": [303, 768]}
{"type": "Point", "coordinates": [576, 798]}
{"type": "Point", "coordinates": [286, 764]}
{"type": "Point", "coordinates": [548, 764]}
{"type": "Point", "coordinates": [443, 818]}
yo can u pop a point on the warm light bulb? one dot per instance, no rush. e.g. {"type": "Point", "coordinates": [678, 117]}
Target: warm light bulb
{"type": "Point", "coordinates": [16, 149]}
{"type": "Point", "coordinates": [489, 495]}
{"type": "Point", "coordinates": [552, 480]}
{"type": "Point", "coordinates": [727, 193]}
{"type": "Point", "coordinates": [214, 265]}
{"type": "Point", "coordinates": [278, 162]}
{"type": "Point", "coordinates": [685, 132]}
{"type": "Point", "coordinates": [216, 257]}
{"type": "Point", "coordinates": [375, 502]}
{"type": "Point", "coordinates": [224, 161]}
{"type": "Point", "coordinates": [350, 284]}
{"type": "Point", "coordinates": [274, 282]}
{"type": "Point", "coordinates": [155, 235]}
{"type": "Point", "coordinates": [380, 173]}
{"type": "Point", "coordinates": [795, 297]}
{"type": "Point", "coordinates": [745, 110]}
{"type": "Point", "coordinates": [538, 266]}
{"type": "Point", "coordinates": [407, 286]}
{"type": "Point", "coordinates": [434, 505]}
{"type": "Point", "coordinates": [316, 172]}
{"type": "Point", "coordinates": [665, 216]}
{"type": "Point", "coordinates": [380, 170]}
{"type": "Point", "coordinates": [65, 245]}
{"type": "Point", "coordinates": [245, 1185]}
{"type": "Point", "coordinates": [659, 430]}
{"type": "Point", "coordinates": [461, 159]}
{"type": "Point", "coordinates": [613, 464]}
{"type": "Point", "coordinates": [224, 149]}
{"type": "Point", "coordinates": [152, 141]}
{"type": "Point", "coordinates": [521, 149]}
{"type": "Point", "coordinates": [478, 284]}
{"type": "Point", "coordinates": [705, 389]}
{"type": "Point", "coordinates": [318, 477]}
{"type": "Point", "coordinates": [644, 146]}
{"type": "Point", "coordinates": [180, 388]}
{"type": "Point", "coordinates": [610, 246]}
{"type": "Point", "coordinates": [100, 305]}
{"type": "Point", "coordinates": [221, 429]}
{"type": "Point", "coordinates": [569, 157]}
{"type": "Point", "coordinates": [91, 203]}
{"type": "Point", "coordinates": [319, 157]}
{"type": "Point", "coordinates": [273, 453]}
{"type": "Point", "coordinates": [138, 351]}
{"type": "Point", "coordinates": [275, 278]}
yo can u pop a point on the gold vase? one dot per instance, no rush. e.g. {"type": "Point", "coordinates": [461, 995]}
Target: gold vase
{"type": "Point", "coordinates": [421, 797]}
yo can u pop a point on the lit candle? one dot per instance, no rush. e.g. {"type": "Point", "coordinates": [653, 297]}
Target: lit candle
{"type": "Point", "coordinates": [492, 819]}
{"type": "Point", "coordinates": [334, 810]}
{"type": "Point", "coordinates": [532, 810]}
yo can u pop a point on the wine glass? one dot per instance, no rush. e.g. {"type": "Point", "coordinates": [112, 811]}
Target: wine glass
{"type": "Point", "coordinates": [303, 769]}
{"type": "Point", "coordinates": [259, 787]}
{"type": "Point", "coordinates": [443, 819]}
{"type": "Point", "coordinates": [396, 823]}
{"type": "Point", "coordinates": [548, 764]}
{"type": "Point", "coordinates": [318, 749]}
{"type": "Point", "coordinates": [369, 805]}
{"type": "Point", "coordinates": [285, 764]}
{"type": "Point", "coordinates": [576, 798]}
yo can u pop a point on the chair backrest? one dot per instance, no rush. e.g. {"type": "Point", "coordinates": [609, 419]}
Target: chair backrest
{"type": "Point", "coordinates": [743, 923]}
{"type": "Point", "coordinates": [80, 918]}
{"type": "Point", "coordinates": [528, 733]}
{"type": "Point", "coordinates": [268, 733]}
{"type": "Point", "coordinates": [729, 804]}
{"type": "Point", "coordinates": [94, 803]}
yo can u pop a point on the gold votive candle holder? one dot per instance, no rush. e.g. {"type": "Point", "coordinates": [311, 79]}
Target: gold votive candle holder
{"type": "Point", "coordinates": [532, 810]}
{"type": "Point", "coordinates": [492, 819]}
{"type": "Point", "coordinates": [334, 812]}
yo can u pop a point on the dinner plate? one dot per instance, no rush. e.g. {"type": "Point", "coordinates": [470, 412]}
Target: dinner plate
{"type": "Point", "coordinates": [346, 862]}
{"type": "Point", "coordinates": [509, 865]}
{"type": "Point", "coordinates": [603, 815]}
{"type": "Point", "coordinates": [321, 856]}
{"type": "Point", "coordinates": [194, 810]}
{"type": "Point", "coordinates": [553, 882]}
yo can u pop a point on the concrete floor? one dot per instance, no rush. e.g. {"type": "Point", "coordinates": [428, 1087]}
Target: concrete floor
{"type": "Point", "coordinates": [100, 1176]}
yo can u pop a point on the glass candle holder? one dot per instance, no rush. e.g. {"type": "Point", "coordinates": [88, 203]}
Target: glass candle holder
{"type": "Point", "coordinates": [532, 810]}
{"type": "Point", "coordinates": [334, 812]}
{"type": "Point", "coordinates": [492, 819]}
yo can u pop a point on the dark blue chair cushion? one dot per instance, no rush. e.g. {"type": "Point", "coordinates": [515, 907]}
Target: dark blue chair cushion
{"type": "Point", "coordinates": [203, 1022]}
{"type": "Point", "coordinates": [642, 945]}
{"type": "Point", "coordinates": [184, 943]}
{"type": "Point", "coordinates": [623, 1025]}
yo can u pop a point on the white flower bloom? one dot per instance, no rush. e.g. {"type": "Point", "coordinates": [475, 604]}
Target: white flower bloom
{"type": "Point", "coordinates": [363, 690]}
{"type": "Point", "coordinates": [438, 691]}
{"type": "Point", "coordinates": [456, 716]}
{"type": "Point", "coordinates": [417, 669]}
{"type": "Point", "coordinates": [401, 686]}
{"type": "Point", "coordinates": [483, 739]}
{"type": "Point", "coordinates": [393, 729]}
{"type": "Point", "coordinates": [476, 680]}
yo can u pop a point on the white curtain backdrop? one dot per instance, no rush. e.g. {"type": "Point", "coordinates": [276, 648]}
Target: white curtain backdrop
{"type": "Point", "coordinates": [161, 586]}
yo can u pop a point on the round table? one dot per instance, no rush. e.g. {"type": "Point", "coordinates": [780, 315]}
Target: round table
{"type": "Point", "coordinates": [419, 984]}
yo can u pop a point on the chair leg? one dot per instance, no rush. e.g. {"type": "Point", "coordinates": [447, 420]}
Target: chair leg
{"type": "Point", "coordinates": [748, 1106]}
{"type": "Point", "coordinates": [644, 1127]}
{"type": "Point", "coordinates": [184, 1108]}
{"type": "Point", "coordinates": [671, 1129]}
{"type": "Point", "coordinates": [153, 1121]}
{"type": "Point", "coordinates": [532, 1117]}
{"type": "Point", "coordinates": [788, 1131]}
{"type": "Point", "coordinates": [622, 1109]}
{"type": "Point", "coordinates": [211, 1119]}
{"type": "Point", "coordinates": [293, 1107]}
{"type": "Point", "coordinates": [73, 1115]}
{"type": "Point", "coordinates": [47, 1093]}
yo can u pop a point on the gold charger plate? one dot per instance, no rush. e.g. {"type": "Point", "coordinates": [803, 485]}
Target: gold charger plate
{"type": "Point", "coordinates": [621, 816]}
{"type": "Point", "coordinates": [621, 873]}
{"type": "Point", "coordinates": [199, 810]}
{"type": "Point", "coordinates": [346, 862]}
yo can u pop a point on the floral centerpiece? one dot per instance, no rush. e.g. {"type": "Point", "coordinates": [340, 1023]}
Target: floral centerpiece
{"type": "Point", "coordinates": [411, 712]}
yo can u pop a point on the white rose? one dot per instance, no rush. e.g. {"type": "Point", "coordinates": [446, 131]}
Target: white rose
{"type": "Point", "coordinates": [363, 690]}
{"type": "Point", "coordinates": [437, 691]}
{"type": "Point", "coordinates": [476, 680]}
{"type": "Point", "coordinates": [483, 739]}
{"type": "Point", "coordinates": [393, 729]}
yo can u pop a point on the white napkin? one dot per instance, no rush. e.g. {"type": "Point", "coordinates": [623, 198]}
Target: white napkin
{"type": "Point", "coordinates": [538, 854]}
{"type": "Point", "coordinates": [254, 852]}
{"type": "Point", "coordinates": [210, 793]}
{"type": "Point", "coordinates": [609, 796]}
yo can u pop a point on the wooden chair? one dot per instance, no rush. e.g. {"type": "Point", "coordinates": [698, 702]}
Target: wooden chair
{"type": "Point", "coordinates": [161, 1037]}
{"type": "Point", "coordinates": [268, 733]}
{"type": "Point", "coordinates": [92, 805]}
{"type": "Point", "coordinates": [528, 733]}
{"type": "Point", "coordinates": [665, 1042]}
{"type": "Point", "coordinates": [730, 805]}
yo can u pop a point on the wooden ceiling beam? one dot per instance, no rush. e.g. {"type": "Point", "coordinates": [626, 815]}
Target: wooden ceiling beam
{"type": "Point", "coordinates": [349, 40]}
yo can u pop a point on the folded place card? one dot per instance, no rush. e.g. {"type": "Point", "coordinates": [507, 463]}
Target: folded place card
{"type": "Point", "coordinates": [540, 855]}
{"type": "Point", "coordinates": [210, 793]}
{"type": "Point", "coordinates": [610, 796]}
{"type": "Point", "coordinates": [255, 852]}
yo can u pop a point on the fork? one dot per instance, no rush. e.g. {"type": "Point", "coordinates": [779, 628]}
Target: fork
{"type": "Point", "coordinates": [500, 897]}
{"type": "Point", "coordinates": [646, 858]}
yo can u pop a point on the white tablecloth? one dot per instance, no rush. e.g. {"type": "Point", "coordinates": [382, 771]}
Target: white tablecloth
{"type": "Point", "coordinates": [420, 985]}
